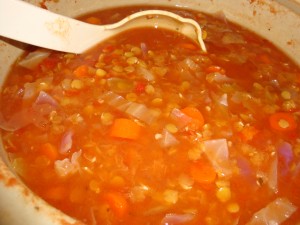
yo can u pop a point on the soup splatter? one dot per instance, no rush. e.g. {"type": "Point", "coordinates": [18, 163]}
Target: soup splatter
{"type": "Point", "coordinates": [147, 129]}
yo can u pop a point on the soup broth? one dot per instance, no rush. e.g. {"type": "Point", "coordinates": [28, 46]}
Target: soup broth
{"type": "Point", "coordinates": [145, 128]}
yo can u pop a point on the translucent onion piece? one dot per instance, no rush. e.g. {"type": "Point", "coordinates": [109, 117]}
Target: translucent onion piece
{"type": "Point", "coordinates": [33, 59]}
{"type": "Point", "coordinates": [218, 154]}
{"type": "Point", "coordinates": [275, 213]}
{"type": "Point", "coordinates": [191, 64]}
{"type": "Point", "coordinates": [285, 156]}
{"type": "Point", "coordinates": [66, 142]}
{"type": "Point", "coordinates": [146, 74]}
{"type": "Point", "coordinates": [68, 166]}
{"type": "Point", "coordinates": [45, 98]}
{"type": "Point", "coordinates": [167, 139]}
{"type": "Point", "coordinates": [31, 89]}
{"type": "Point", "coordinates": [180, 119]}
{"type": "Point", "coordinates": [173, 219]}
{"type": "Point", "coordinates": [273, 175]}
{"type": "Point", "coordinates": [138, 111]}
{"type": "Point", "coordinates": [218, 78]}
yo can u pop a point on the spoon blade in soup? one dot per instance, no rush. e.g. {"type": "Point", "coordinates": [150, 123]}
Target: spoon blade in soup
{"type": "Point", "coordinates": [36, 26]}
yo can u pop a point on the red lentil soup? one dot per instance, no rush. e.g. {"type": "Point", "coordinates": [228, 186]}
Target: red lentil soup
{"type": "Point", "coordinates": [147, 129]}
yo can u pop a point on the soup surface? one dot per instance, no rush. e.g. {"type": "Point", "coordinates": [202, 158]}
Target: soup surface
{"type": "Point", "coordinates": [147, 129]}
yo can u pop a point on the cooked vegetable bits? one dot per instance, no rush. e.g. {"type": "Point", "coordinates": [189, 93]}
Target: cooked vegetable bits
{"type": "Point", "coordinates": [147, 129]}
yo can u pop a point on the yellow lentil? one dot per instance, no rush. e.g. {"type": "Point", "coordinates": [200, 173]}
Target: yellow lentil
{"type": "Point", "coordinates": [194, 153]}
{"type": "Point", "coordinates": [185, 85]}
{"type": "Point", "coordinates": [132, 60]}
{"type": "Point", "coordinates": [131, 97]}
{"type": "Point", "coordinates": [77, 84]}
{"type": "Point", "coordinates": [170, 196]}
{"type": "Point", "coordinates": [100, 72]}
{"type": "Point", "coordinates": [223, 194]}
{"type": "Point", "coordinates": [107, 118]}
{"type": "Point", "coordinates": [171, 128]}
{"type": "Point", "coordinates": [157, 101]}
{"type": "Point", "coordinates": [118, 69]}
{"type": "Point", "coordinates": [149, 89]}
{"type": "Point", "coordinates": [233, 207]}
{"type": "Point", "coordinates": [129, 69]}
{"type": "Point", "coordinates": [128, 54]}
{"type": "Point", "coordinates": [136, 50]}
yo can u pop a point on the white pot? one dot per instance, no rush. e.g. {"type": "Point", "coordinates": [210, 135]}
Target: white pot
{"type": "Point", "coordinates": [278, 21]}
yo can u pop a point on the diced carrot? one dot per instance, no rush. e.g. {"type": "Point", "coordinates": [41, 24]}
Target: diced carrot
{"type": "Point", "coordinates": [248, 132]}
{"type": "Point", "coordinates": [282, 121]}
{"type": "Point", "coordinates": [50, 151]}
{"type": "Point", "coordinates": [203, 172]}
{"type": "Point", "coordinates": [117, 202]}
{"type": "Point", "coordinates": [93, 20]}
{"type": "Point", "coordinates": [188, 46]}
{"type": "Point", "coordinates": [81, 71]}
{"type": "Point", "coordinates": [125, 128]}
{"type": "Point", "coordinates": [196, 115]}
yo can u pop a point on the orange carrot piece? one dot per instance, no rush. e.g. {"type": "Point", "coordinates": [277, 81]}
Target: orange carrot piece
{"type": "Point", "coordinates": [203, 172]}
{"type": "Point", "coordinates": [81, 71]}
{"type": "Point", "coordinates": [50, 151]}
{"type": "Point", "coordinates": [93, 20]}
{"type": "Point", "coordinates": [196, 115]}
{"type": "Point", "coordinates": [118, 203]}
{"type": "Point", "coordinates": [282, 121]}
{"type": "Point", "coordinates": [125, 128]}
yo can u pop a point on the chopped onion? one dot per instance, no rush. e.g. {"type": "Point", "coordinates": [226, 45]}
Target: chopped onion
{"type": "Point", "coordinates": [191, 64]}
{"type": "Point", "coordinates": [144, 49]}
{"type": "Point", "coordinates": [68, 166]}
{"type": "Point", "coordinates": [185, 182]}
{"type": "Point", "coordinates": [31, 89]}
{"type": "Point", "coordinates": [33, 59]}
{"type": "Point", "coordinates": [167, 139]}
{"type": "Point", "coordinates": [285, 156]}
{"type": "Point", "coordinates": [146, 74]}
{"type": "Point", "coordinates": [44, 98]}
{"type": "Point", "coordinates": [173, 218]}
{"type": "Point", "coordinates": [218, 77]}
{"type": "Point", "coordinates": [217, 153]}
{"type": "Point", "coordinates": [36, 114]}
{"type": "Point", "coordinates": [180, 119]}
{"type": "Point", "coordinates": [66, 142]}
{"type": "Point", "coordinates": [137, 110]}
{"type": "Point", "coordinates": [222, 100]}
{"type": "Point", "coordinates": [275, 213]}
{"type": "Point", "coordinates": [273, 175]}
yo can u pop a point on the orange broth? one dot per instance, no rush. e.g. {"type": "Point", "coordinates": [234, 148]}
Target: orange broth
{"type": "Point", "coordinates": [147, 129]}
